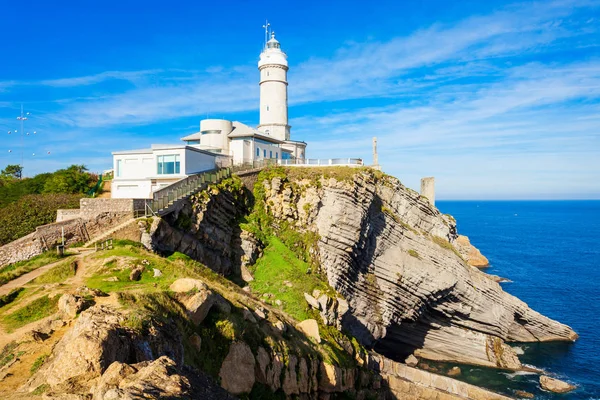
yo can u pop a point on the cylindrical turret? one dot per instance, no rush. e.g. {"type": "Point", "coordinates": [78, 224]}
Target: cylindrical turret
{"type": "Point", "coordinates": [273, 69]}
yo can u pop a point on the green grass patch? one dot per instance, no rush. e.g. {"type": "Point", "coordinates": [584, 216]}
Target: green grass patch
{"type": "Point", "coordinates": [41, 389]}
{"type": "Point", "coordinates": [443, 243]}
{"type": "Point", "coordinates": [34, 311]}
{"type": "Point", "coordinates": [8, 353]}
{"type": "Point", "coordinates": [279, 264]}
{"type": "Point", "coordinates": [13, 271]}
{"type": "Point", "coordinates": [37, 364]}
{"type": "Point", "coordinates": [414, 253]}
{"type": "Point", "coordinates": [59, 273]}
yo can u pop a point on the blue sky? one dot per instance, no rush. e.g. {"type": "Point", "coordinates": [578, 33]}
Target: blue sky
{"type": "Point", "coordinates": [497, 100]}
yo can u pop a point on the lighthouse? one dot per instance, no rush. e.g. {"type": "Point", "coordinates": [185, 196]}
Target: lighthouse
{"type": "Point", "coordinates": [273, 67]}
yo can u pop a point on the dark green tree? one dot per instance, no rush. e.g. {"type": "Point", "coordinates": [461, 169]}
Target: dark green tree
{"type": "Point", "coordinates": [12, 171]}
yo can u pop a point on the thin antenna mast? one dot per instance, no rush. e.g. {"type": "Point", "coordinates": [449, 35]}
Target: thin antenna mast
{"type": "Point", "coordinates": [266, 28]}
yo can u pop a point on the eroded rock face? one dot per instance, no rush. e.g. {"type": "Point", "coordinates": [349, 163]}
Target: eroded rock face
{"type": "Point", "coordinates": [205, 228]}
{"type": "Point", "coordinates": [392, 256]}
{"type": "Point", "coordinates": [97, 340]}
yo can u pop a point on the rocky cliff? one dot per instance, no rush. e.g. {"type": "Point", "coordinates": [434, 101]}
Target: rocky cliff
{"type": "Point", "coordinates": [392, 256]}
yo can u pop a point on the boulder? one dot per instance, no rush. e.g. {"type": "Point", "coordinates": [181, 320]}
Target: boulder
{"type": "Point", "coordinates": [524, 395]}
{"type": "Point", "coordinates": [184, 285]}
{"type": "Point", "coordinates": [158, 379]}
{"type": "Point", "coordinates": [311, 301]}
{"type": "Point", "coordinates": [70, 305]}
{"type": "Point", "coordinates": [136, 273]}
{"type": "Point", "coordinates": [555, 385]}
{"type": "Point", "coordinates": [157, 273]}
{"type": "Point", "coordinates": [198, 305]}
{"type": "Point", "coordinates": [411, 361]}
{"type": "Point", "coordinates": [237, 370]}
{"type": "Point", "coordinates": [310, 328]}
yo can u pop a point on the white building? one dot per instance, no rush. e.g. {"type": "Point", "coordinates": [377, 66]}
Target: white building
{"type": "Point", "coordinates": [138, 173]}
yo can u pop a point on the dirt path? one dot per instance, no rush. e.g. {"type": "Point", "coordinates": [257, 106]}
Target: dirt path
{"type": "Point", "coordinates": [28, 277]}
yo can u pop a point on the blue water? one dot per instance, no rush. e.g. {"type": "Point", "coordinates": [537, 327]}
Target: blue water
{"type": "Point", "coordinates": [551, 252]}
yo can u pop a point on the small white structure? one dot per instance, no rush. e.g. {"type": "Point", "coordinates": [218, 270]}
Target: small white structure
{"type": "Point", "coordinates": [138, 173]}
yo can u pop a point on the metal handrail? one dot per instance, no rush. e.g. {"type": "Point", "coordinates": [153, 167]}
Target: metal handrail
{"type": "Point", "coordinates": [166, 196]}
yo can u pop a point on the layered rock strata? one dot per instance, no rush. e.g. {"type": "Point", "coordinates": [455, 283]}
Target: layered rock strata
{"type": "Point", "coordinates": [392, 256]}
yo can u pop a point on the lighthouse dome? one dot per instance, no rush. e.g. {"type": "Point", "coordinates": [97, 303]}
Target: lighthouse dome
{"type": "Point", "coordinates": [272, 54]}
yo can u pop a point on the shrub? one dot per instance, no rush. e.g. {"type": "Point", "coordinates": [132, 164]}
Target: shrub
{"type": "Point", "coordinates": [20, 218]}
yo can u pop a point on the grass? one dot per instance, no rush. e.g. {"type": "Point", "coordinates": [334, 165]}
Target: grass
{"type": "Point", "coordinates": [8, 353]}
{"type": "Point", "coordinates": [34, 311]}
{"type": "Point", "coordinates": [279, 264]}
{"type": "Point", "coordinates": [38, 363]}
{"type": "Point", "coordinates": [13, 271]}
{"type": "Point", "coordinates": [443, 243]}
{"type": "Point", "coordinates": [59, 273]}
{"type": "Point", "coordinates": [414, 253]}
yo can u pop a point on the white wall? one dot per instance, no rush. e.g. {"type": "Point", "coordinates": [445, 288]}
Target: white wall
{"type": "Point", "coordinates": [131, 189]}
{"type": "Point", "coordinates": [134, 166]}
{"type": "Point", "coordinates": [273, 151]}
{"type": "Point", "coordinates": [195, 162]}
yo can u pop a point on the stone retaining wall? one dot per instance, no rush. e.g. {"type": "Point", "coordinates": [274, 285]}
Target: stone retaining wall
{"type": "Point", "coordinates": [65, 215]}
{"type": "Point", "coordinates": [90, 208]}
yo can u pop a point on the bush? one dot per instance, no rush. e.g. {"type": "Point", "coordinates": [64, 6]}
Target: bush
{"type": "Point", "coordinates": [20, 218]}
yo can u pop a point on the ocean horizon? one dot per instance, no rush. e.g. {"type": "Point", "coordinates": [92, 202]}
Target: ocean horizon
{"type": "Point", "coordinates": [549, 251]}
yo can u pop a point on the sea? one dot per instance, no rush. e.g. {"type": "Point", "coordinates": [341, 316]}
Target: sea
{"type": "Point", "coordinates": [550, 251]}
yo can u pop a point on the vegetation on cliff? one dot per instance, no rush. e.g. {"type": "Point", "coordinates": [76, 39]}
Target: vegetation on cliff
{"type": "Point", "coordinates": [30, 202]}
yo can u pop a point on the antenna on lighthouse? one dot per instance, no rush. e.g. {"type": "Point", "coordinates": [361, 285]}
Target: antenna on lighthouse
{"type": "Point", "coordinates": [266, 28]}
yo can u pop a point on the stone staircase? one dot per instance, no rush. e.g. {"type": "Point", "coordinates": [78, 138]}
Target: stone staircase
{"type": "Point", "coordinates": [107, 234]}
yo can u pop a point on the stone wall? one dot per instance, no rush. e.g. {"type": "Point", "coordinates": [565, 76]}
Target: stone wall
{"type": "Point", "coordinates": [90, 208]}
{"type": "Point", "coordinates": [46, 237]}
{"type": "Point", "coordinates": [65, 215]}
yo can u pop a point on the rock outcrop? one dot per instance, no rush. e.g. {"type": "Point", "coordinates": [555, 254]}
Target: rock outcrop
{"type": "Point", "coordinates": [470, 253]}
{"type": "Point", "coordinates": [205, 228]}
{"type": "Point", "coordinates": [99, 339]}
{"type": "Point", "coordinates": [555, 385]}
{"type": "Point", "coordinates": [393, 257]}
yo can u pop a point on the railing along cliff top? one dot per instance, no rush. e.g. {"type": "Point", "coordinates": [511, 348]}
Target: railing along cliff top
{"type": "Point", "coordinates": [316, 162]}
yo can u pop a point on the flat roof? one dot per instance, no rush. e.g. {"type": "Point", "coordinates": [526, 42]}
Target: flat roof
{"type": "Point", "coordinates": [156, 147]}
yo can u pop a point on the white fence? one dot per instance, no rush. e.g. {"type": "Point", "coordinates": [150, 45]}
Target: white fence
{"type": "Point", "coordinates": [317, 162]}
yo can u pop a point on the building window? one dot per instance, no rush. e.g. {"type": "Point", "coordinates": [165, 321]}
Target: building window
{"type": "Point", "coordinates": [257, 152]}
{"type": "Point", "coordinates": [267, 108]}
{"type": "Point", "coordinates": [276, 155]}
{"type": "Point", "coordinates": [168, 164]}
{"type": "Point", "coordinates": [193, 142]}
{"type": "Point", "coordinates": [264, 153]}
{"type": "Point", "coordinates": [271, 154]}
{"type": "Point", "coordinates": [119, 168]}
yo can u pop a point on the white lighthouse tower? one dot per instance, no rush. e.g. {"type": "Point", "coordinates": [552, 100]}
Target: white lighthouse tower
{"type": "Point", "coordinates": [273, 67]}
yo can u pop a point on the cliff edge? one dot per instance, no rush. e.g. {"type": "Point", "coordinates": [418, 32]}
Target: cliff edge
{"type": "Point", "coordinates": [394, 258]}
